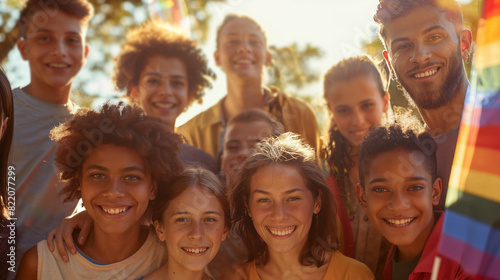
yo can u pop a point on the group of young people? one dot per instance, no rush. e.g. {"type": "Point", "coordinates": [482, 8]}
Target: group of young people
{"type": "Point", "coordinates": [246, 189]}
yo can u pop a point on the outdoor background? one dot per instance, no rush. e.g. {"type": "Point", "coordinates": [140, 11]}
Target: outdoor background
{"type": "Point", "coordinates": [306, 38]}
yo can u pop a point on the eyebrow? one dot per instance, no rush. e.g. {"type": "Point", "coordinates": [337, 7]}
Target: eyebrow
{"type": "Point", "coordinates": [427, 30]}
{"type": "Point", "coordinates": [102, 168]}
{"type": "Point", "coordinates": [186, 213]}
{"type": "Point", "coordinates": [287, 192]}
{"type": "Point", "coordinates": [41, 30]}
{"type": "Point", "coordinates": [154, 73]}
{"type": "Point", "coordinates": [409, 179]}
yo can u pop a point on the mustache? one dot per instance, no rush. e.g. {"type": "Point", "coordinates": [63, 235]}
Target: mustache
{"type": "Point", "coordinates": [420, 67]}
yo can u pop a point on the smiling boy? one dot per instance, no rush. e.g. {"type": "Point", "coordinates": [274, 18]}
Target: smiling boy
{"type": "Point", "coordinates": [398, 188]}
{"type": "Point", "coordinates": [53, 42]}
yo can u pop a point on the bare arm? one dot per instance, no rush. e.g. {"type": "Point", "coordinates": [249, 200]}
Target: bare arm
{"type": "Point", "coordinates": [29, 265]}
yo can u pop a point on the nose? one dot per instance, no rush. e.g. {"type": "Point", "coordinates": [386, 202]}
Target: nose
{"type": "Point", "coordinates": [167, 89]}
{"type": "Point", "coordinates": [399, 201]}
{"type": "Point", "coordinates": [195, 232]}
{"type": "Point", "coordinates": [114, 189]}
{"type": "Point", "coordinates": [358, 117]}
{"type": "Point", "coordinates": [420, 53]}
{"type": "Point", "coordinates": [60, 47]}
{"type": "Point", "coordinates": [244, 46]}
{"type": "Point", "coordinates": [279, 211]}
{"type": "Point", "coordinates": [244, 151]}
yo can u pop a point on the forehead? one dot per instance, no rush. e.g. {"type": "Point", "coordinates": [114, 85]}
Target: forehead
{"type": "Point", "coordinates": [353, 90]}
{"type": "Point", "coordinates": [60, 23]}
{"type": "Point", "coordinates": [241, 26]}
{"type": "Point", "coordinates": [248, 130]}
{"type": "Point", "coordinates": [278, 178]}
{"type": "Point", "coordinates": [195, 199]}
{"type": "Point", "coordinates": [417, 22]}
{"type": "Point", "coordinates": [112, 156]}
{"type": "Point", "coordinates": [165, 66]}
{"type": "Point", "coordinates": [397, 165]}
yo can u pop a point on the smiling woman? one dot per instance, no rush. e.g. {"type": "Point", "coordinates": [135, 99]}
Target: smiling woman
{"type": "Point", "coordinates": [192, 218]}
{"type": "Point", "coordinates": [115, 159]}
{"type": "Point", "coordinates": [285, 214]}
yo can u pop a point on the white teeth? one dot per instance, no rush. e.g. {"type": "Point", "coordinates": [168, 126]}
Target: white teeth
{"type": "Point", "coordinates": [246, 61]}
{"type": "Point", "coordinates": [165, 106]}
{"type": "Point", "coordinates": [400, 222]}
{"type": "Point", "coordinates": [282, 232]}
{"type": "Point", "coordinates": [426, 73]}
{"type": "Point", "coordinates": [195, 250]}
{"type": "Point", "coordinates": [114, 210]}
{"type": "Point", "coordinates": [58, 65]}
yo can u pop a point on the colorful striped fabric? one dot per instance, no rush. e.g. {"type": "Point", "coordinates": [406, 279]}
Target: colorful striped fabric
{"type": "Point", "coordinates": [471, 234]}
{"type": "Point", "coordinates": [172, 11]}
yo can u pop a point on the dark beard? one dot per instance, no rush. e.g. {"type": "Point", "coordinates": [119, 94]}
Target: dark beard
{"type": "Point", "coordinates": [445, 92]}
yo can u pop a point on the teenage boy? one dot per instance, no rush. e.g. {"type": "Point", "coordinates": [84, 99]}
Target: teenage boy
{"type": "Point", "coordinates": [53, 42]}
{"type": "Point", "coordinates": [425, 45]}
{"type": "Point", "coordinates": [398, 189]}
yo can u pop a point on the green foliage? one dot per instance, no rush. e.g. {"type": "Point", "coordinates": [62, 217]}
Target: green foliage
{"type": "Point", "coordinates": [290, 70]}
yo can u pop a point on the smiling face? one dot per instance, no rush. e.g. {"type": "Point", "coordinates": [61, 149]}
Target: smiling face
{"type": "Point", "coordinates": [425, 51]}
{"type": "Point", "coordinates": [242, 49]}
{"type": "Point", "coordinates": [192, 228]}
{"type": "Point", "coordinates": [239, 140]}
{"type": "Point", "coordinates": [356, 105]}
{"type": "Point", "coordinates": [56, 50]}
{"type": "Point", "coordinates": [163, 90]}
{"type": "Point", "coordinates": [116, 188]}
{"type": "Point", "coordinates": [281, 207]}
{"type": "Point", "coordinates": [399, 194]}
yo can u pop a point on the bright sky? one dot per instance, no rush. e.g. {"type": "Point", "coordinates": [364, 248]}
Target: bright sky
{"type": "Point", "coordinates": [337, 27]}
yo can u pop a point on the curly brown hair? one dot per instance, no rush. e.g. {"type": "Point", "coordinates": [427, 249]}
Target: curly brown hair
{"type": "Point", "coordinates": [286, 149]}
{"type": "Point", "coordinates": [6, 111]}
{"type": "Point", "coordinates": [120, 125]}
{"type": "Point", "coordinates": [406, 134]}
{"type": "Point", "coordinates": [157, 38]}
{"type": "Point", "coordinates": [80, 9]}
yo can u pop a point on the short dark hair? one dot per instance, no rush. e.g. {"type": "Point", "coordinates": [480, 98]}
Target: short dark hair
{"type": "Point", "coordinates": [6, 110]}
{"type": "Point", "coordinates": [255, 115]}
{"type": "Point", "coordinates": [157, 38]}
{"type": "Point", "coordinates": [406, 134]}
{"type": "Point", "coordinates": [80, 9]}
{"type": "Point", "coordinates": [286, 149]}
{"type": "Point", "coordinates": [120, 125]}
{"type": "Point", "coordinates": [387, 10]}
{"type": "Point", "coordinates": [193, 176]}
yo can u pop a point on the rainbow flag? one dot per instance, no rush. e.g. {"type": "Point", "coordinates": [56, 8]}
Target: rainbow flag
{"type": "Point", "coordinates": [471, 233]}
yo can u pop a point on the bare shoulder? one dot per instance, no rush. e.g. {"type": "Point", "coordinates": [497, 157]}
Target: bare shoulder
{"type": "Point", "coordinates": [29, 265]}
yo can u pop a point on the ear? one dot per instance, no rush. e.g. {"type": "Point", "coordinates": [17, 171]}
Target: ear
{"type": "Point", "coordinates": [360, 193]}
{"type": "Point", "coordinates": [159, 231]}
{"type": "Point", "coordinates": [437, 188]}
{"type": "Point", "coordinates": [152, 194]}
{"type": "Point", "coordinates": [386, 102]}
{"type": "Point", "coordinates": [21, 46]}
{"type": "Point", "coordinates": [217, 58]}
{"type": "Point", "coordinates": [86, 52]}
{"type": "Point", "coordinates": [269, 58]}
{"type": "Point", "coordinates": [224, 235]}
{"type": "Point", "coordinates": [134, 93]}
{"type": "Point", "coordinates": [466, 38]}
{"type": "Point", "coordinates": [387, 59]}
{"type": "Point", "coordinates": [317, 204]}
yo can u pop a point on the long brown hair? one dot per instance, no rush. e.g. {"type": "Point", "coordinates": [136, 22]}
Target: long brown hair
{"type": "Point", "coordinates": [286, 149]}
